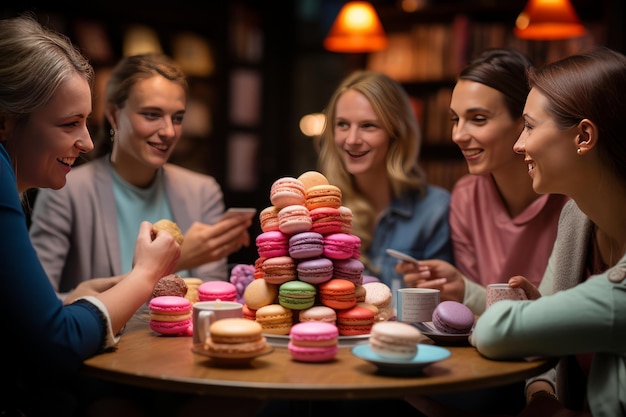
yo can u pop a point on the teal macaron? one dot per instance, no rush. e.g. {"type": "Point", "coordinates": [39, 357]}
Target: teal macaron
{"type": "Point", "coordinates": [296, 295]}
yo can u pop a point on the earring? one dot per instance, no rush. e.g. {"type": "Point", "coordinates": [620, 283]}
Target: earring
{"type": "Point", "coordinates": [579, 151]}
{"type": "Point", "coordinates": [112, 133]}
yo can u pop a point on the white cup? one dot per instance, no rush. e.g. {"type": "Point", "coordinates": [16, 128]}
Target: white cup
{"type": "Point", "coordinates": [206, 312]}
{"type": "Point", "coordinates": [417, 304]}
{"type": "Point", "coordinates": [497, 292]}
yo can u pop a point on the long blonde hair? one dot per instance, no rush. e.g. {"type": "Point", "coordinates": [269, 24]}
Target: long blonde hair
{"type": "Point", "coordinates": [397, 117]}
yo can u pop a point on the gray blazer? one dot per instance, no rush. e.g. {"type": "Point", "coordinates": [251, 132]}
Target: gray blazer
{"type": "Point", "coordinates": [566, 269]}
{"type": "Point", "coordinates": [74, 229]}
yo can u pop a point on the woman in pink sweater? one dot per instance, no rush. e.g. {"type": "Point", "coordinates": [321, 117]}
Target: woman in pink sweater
{"type": "Point", "coordinates": [500, 226]}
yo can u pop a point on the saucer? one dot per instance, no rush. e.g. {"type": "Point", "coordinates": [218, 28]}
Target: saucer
{"type": "Point", "coordinates": [230, 359]}
{"type": "Point", "coordinates": [426, 355]}
{"type": "Point", "coordinates": [428, 329]}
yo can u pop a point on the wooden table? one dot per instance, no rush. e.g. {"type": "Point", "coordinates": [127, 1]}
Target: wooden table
{"type": "Point", "coordinates": [148, 360]}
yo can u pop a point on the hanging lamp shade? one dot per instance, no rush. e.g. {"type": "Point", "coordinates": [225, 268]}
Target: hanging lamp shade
{"type": "Point", "coordinates": [356, 29]}
{"type": "Point", "coordinates": [548, 20]}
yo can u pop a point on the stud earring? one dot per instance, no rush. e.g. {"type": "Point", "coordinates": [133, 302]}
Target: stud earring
{"type": "Point", "coordinates": [112, 134]}
{"type": "Point", "coordinates": [579, 151]}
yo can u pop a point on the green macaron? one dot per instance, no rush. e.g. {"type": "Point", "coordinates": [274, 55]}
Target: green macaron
{"type": "Point", "coordinates": [296, 295]}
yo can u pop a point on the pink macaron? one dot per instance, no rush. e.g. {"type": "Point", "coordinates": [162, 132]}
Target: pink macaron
{"type": "Point", "coordinates": [287, 191]}
{"type": "Point", "coordinates": [326, 220]}
{"type": "Point", "coordinates": [315, 271]}
{"type": "Point", "coordinates": [306, 245]}
{"type": "Point", "coordinates": [271, 244]}
{"type": "Point", "coordinates": [279, 269]}
{"type": "Point", "coordinates": [313, 341]}
{"type": "Point", "coordinates": [340, 245]}
{"type": "Point", "coordinates": [217, 290]}
{"type": "Point", "coordinates": [170, 315]}
{"type": "Point", "coordinates": [453, 317]}
{"type": "Point", "coordinates": [294, 219]}
{"type": "Point", "coordinates": [318, 313]}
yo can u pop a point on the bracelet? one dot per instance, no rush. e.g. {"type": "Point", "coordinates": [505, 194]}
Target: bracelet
{"type": "Point", "coordinates": [542, 393]}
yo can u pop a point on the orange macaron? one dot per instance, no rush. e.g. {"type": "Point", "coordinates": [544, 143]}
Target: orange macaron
{"type": "Point", "coordinates": [324, 195]}
{"type": "Point", "coordinates": [275, 319]}
{"type": "Point", "coordinates": [260, 293]}
{"type": "Point", "coordinates": [268, 218]}
{"type": "Point", "coordinates": [337, 293]}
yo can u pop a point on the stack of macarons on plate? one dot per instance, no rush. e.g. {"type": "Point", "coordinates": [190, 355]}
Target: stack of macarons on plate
{"type": "Point", "coordinates": [395, 348]}
{"type": "Point", "coordinates": [234, 341]}
{"type": "Point", "coordinates": [301, 266]}
{"type": "Point", "coordinates": [170, 315]}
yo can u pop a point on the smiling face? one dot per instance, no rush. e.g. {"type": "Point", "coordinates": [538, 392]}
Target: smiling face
{"type": "Point", "coordinates": [550, 152]}
{"type": "Point", "coordinates": [147, 128]}
{"type": "Point", "coordinates": [359, 136]}
{"type": "Point", "coordinates": [48, 144]}
{"type": "Point", "coordinates": [483, 128]}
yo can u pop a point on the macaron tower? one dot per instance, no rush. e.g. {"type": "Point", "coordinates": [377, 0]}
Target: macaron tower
{"type": "Point", "coordinates": [308, 256]}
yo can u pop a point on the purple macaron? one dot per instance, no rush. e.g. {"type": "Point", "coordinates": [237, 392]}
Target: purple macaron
{"type": "Point", "coordinates": [453, 318]}
{"type": "Point", "coordinates": [350, 269]}
{"type": "Point", "coordinates": [315, 271]}
{"type": "Point", "coordinates": [306, 245]}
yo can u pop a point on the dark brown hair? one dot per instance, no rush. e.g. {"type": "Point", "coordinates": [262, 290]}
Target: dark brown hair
{"type": "Point", "coordinates": [589, 86]}
{"type": "Point", "coordinates": [502, 69]}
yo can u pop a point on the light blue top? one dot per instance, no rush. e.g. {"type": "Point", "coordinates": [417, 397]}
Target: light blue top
{"type": "Point", "coordinates": [416, 225]}
{"type": "Point", "coordinates": [590, 317]}
{"type": "Point", "coordinates": [135, 204]}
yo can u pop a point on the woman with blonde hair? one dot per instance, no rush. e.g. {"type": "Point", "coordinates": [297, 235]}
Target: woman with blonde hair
{"type": "Point", "coordinates": [370, 149]}
{"type": "Point", "coordinates": [45, 100]}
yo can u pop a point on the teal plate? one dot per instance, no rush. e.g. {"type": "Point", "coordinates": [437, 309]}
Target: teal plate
{"type": "Point", "coordinates": [426, 355]}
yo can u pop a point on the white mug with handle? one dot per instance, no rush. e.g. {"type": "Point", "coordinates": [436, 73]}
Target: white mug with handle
{"type": "Point", "coordinates": [207, 312]}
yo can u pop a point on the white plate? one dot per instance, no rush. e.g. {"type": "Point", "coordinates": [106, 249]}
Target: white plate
{"type": "Point", "coordinates": [426, 355]}
{"type": "Point", "coordinates": [343, 341]}
{"type": "Point", "coordinates": [428, 329]}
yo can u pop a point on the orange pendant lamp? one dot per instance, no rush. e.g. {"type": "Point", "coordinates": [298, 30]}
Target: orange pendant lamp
{"type": "Point", "coordinates": [548, 20]}
{"type": "Point", "coordinates": [357, 29]}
